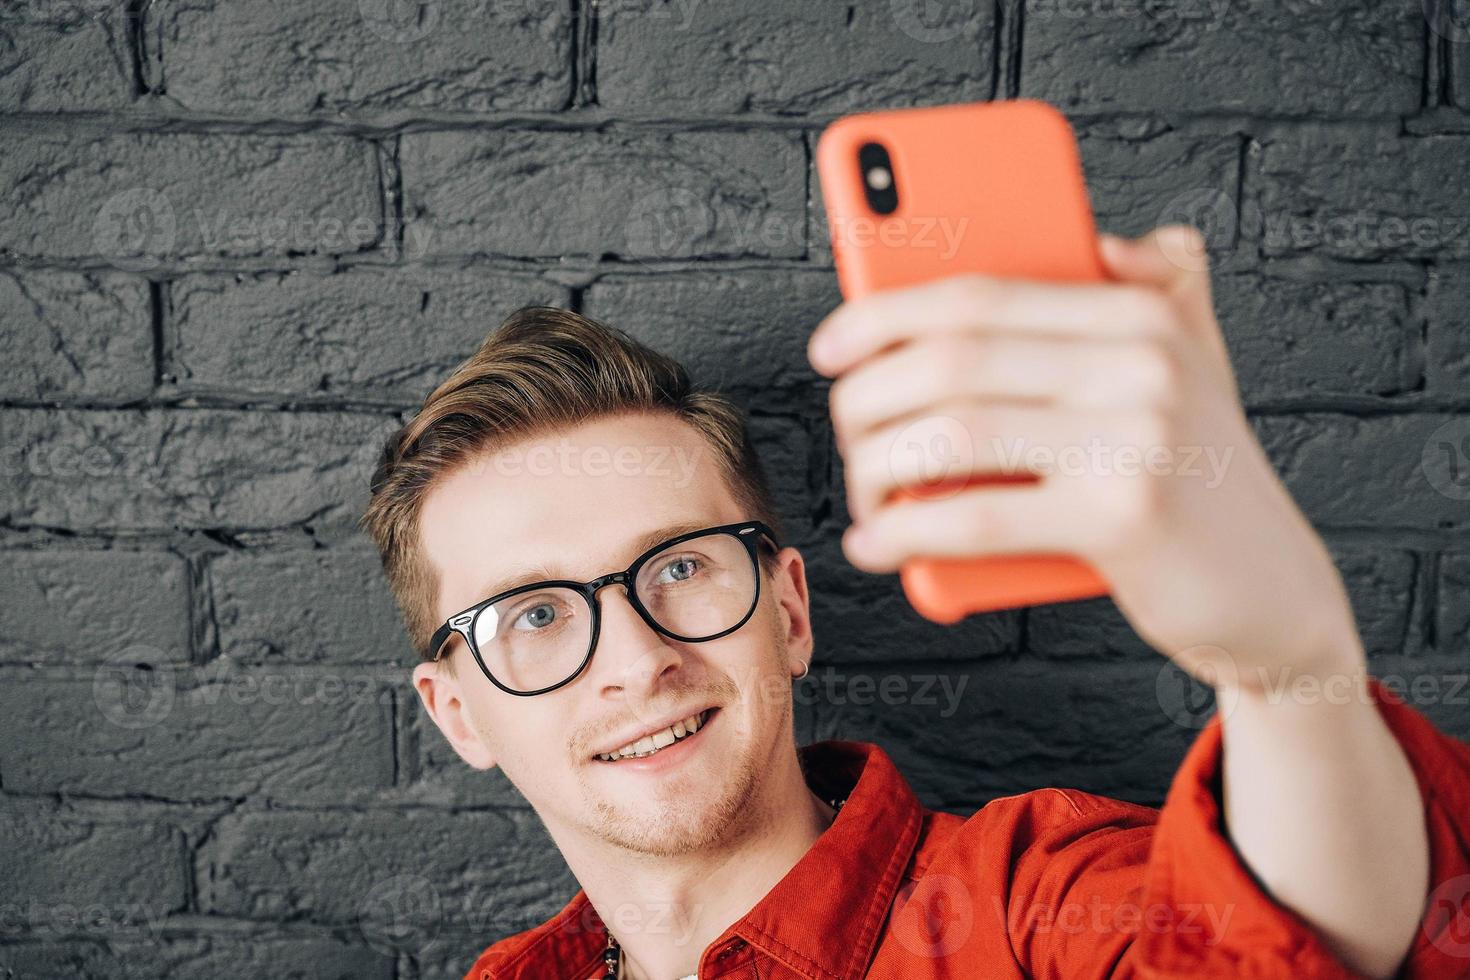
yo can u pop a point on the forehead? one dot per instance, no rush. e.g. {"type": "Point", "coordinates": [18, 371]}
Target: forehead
{"type": "Point", "coordinates": [577, 500]}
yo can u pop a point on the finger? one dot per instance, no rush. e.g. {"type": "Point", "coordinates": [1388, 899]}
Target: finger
{"type": "Point", "coordinates": [1050, 517]}
{"type": "Point", "coordinates": [1172, 259]}
{"type": "Point", "coordinates": [999, 367]}
{"type": "Point", "coordinates": [971, 303]}
{"type": "Point", "coordinates": [961, 439]}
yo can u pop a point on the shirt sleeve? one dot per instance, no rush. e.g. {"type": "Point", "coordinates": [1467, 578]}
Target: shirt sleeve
{"type": "Point", "coordinates": [1194, 871]}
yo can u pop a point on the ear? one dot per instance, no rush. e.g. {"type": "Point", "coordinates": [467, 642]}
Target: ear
{"type": "Point", "coordinates": [789, 582]}
{"type": "Point", "coordinates": [443, 698]}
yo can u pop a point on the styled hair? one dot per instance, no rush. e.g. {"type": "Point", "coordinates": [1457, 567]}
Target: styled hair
{"type": "Point", "coordinates": [543, 369]}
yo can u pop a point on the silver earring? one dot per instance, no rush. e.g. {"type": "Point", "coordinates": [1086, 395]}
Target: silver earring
{"type": "Point", "coordinates": [805, 669]}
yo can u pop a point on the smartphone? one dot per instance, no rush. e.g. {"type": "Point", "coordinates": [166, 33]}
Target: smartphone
{"type": "Point", "coordinates": [992, 187]}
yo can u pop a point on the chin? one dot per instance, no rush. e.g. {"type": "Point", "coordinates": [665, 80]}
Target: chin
{"type": "Point", "coordinates": [681, 822]}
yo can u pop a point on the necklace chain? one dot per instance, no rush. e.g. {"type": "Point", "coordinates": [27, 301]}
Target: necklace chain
{"type": "Point", "coordinates": [612, 956]}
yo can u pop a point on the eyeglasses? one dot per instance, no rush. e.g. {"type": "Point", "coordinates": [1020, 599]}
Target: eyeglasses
{"type": "Point", "coordinates": [695, 587]}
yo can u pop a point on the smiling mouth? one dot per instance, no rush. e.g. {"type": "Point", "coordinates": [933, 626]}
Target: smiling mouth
{"type": "Point", "coordinates": [657, 741]}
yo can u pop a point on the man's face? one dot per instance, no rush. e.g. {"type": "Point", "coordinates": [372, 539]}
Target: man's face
{"type": "Point", "coordinates": [583, 502]}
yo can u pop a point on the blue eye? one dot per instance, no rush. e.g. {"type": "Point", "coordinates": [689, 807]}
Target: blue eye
{"type": "Point", "coordinates": [689, 565]}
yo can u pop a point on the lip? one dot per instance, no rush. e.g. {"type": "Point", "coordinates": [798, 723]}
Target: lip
{"type": "Point", "coordinates": [667, 757]}
{"type": "Point", "coordinates": [649, 730]}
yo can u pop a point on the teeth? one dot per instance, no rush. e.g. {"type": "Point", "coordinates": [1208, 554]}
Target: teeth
{"type": "Point", "coordinates": [649, 744]}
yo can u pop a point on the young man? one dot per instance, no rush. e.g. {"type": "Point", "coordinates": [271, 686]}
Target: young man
{"type": "Point", "coordinates": [650, 723]}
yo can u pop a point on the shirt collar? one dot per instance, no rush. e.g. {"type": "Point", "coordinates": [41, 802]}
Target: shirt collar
{"type": "Point", "coordinates": [853, 871]}
{"type": "Point", "coordinates": [823, 919]}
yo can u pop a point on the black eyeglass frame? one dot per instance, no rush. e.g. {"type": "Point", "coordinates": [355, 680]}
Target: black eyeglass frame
{"type": "Point", "coordinates": [749, 533]}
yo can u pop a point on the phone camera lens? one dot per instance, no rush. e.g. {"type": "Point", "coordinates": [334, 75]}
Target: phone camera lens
{"type": "Point", "coordinates": [880, 184]}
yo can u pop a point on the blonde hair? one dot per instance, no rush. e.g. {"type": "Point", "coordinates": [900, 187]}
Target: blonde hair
{"type": "Point", "coordinates": [541, 370]}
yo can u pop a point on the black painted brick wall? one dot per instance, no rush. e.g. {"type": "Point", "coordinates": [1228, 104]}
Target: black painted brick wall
{"type": "Point", "coordinates": [242, 239]}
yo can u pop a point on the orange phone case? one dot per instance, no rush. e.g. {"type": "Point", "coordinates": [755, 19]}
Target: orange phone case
{"type": "Point", "coordinates": [1011, 172]}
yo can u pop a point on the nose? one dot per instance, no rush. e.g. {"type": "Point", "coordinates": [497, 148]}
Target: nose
{"type": "Point", "coordinates": [630, 656]}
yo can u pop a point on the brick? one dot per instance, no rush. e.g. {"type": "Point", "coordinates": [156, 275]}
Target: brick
{"type": "Point", "coordinates": [137, 199]}
{"type": "Point", "coordinates": [1007, 727]}
{"type": "Point", "coordinates": [70, 335]}
{"type": "Point", "coordinates": [283, 735]}
{"type": "Point", "coordinates": [1350, 58]}
{"type": "Point", "coordinates": [1452, 605]}
{"type": "Point", "coordinates": [194, 468]}
{"type": "Point", "coordinates": [1343, 334]}
{"type": "Point", "coordinates": [859, 617]}
{"type": "Point", "coordinates": [64, 56]}
{"type": "Point", "coordinates": [771, 57]}
{"type": "Point", "coordinates": [745, 329]}
{"type": "Point", "coordinates": [200, 957]}
{"type": "Point", "coordinates": [87, 606]}
{"type": "Point", "coordinates": [636, 195]}
{"type": "Point", "coordinates": [1448, 356]}
{"type": "Point", "coordinates": [58, 865]}
{"type": "Point", "coordinates": [325, 606]}
{"type": "Point", "coordinates": [1356, 192]}
{"type": "Point", "coordinates": [440, 777]}
{"type": "Point", "coordinates": [1348, 471]}
{"type": "Point", "coordinates": [1380, 584]}
{"type": "Point", "coordinates": [281, 58]}
{"type": "Point", "coordinates": [1138, 184]}
{"type": "Point", "coordinates": [781, 443]}
{"type": "Point", "coordinates": [339, 334]}
{"type": "Point", "coordinates": [484, 872]}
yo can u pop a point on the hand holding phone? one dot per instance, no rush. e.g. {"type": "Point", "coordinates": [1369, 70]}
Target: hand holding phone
{"type": "Point", "coordinates": [914, 195]}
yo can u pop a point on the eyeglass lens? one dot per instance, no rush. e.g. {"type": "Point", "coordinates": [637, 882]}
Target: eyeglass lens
{"type": "Point", "coordinates": [694, 589]}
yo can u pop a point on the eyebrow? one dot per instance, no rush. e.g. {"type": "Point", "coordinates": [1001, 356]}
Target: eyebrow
{"type": "Point", "coordinates": [526, 574]}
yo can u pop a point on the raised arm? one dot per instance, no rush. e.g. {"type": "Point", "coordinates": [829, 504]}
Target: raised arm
{"type": "Point", "coordinates": [1174, 500]}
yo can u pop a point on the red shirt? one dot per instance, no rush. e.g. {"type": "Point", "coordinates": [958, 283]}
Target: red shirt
{"type": "Point", "coordinates": [1051, 883]}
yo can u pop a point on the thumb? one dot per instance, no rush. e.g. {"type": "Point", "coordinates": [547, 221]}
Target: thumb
{"type": "Point", "coordinates": [1172, 258]}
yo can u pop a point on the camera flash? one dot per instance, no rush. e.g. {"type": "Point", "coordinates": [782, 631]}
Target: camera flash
{"type": "Point", "coordinates": [879, 178]}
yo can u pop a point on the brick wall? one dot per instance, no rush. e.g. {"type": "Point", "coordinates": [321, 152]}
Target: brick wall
{"type": "Point", "coordinates": [243, 239]}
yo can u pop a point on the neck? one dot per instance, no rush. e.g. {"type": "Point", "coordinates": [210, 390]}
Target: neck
{"type": "Point", "coordinates": [664, 911]}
